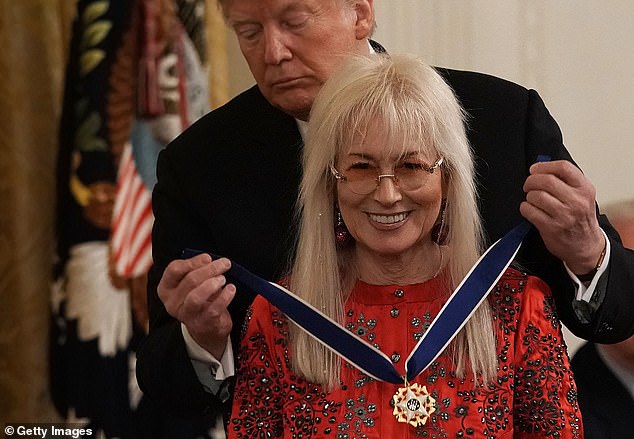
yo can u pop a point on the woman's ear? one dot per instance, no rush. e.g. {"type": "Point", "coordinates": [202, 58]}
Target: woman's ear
{"type": "Point", "coordinates": [440, 231]}
{"type": "Point", "coordinates": [444, 181]}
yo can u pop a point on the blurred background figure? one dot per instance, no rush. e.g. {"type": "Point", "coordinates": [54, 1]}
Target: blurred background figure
{"type": "Point", "coordinates": [134, 80]}
{"type": "Point", "coordinates": [605, 373]}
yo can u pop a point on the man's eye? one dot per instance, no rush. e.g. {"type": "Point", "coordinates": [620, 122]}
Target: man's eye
{"type": "Point", "coordinates": [295, 22]}
{"type": "Point", "coordinates": [248, 33]}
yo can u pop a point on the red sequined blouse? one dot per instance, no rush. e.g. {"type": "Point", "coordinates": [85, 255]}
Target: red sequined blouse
{"type": "Point", "coordinates": [534, 395]}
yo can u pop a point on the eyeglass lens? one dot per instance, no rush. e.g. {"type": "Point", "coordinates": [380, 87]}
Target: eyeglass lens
{"type": "Point", "coordinates": [407, 176]}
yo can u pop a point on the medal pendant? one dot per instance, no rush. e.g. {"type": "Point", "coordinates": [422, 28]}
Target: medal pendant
{"type": "Point", "coordinates": [413, 404]}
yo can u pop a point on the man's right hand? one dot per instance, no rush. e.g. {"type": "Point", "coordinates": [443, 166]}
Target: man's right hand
{"type": "Point", "coordinates": [195, 292]}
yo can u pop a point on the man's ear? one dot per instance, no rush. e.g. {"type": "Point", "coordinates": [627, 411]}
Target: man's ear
{"type": "Point", "coordinates": [365, 19]}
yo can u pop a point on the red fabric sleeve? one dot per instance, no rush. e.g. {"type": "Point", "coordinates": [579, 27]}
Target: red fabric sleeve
{"type": "Point", "coordinates": [259, 373]}
{"type": "Point", "coordinates": [545, 397]}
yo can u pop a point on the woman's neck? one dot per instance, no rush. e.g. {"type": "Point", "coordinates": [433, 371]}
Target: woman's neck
{"type": "Point", "coordinates": [415, 266]}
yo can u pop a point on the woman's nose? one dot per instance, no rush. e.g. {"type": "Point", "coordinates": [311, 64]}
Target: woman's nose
{"type": "Point", "coordinates": [387, 190]}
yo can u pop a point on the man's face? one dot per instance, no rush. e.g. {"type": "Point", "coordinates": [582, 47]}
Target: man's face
{"type": "Point", "coordinates": [292, 46]}
{"type": "Point", "coordinates": [625, 227]}
{"type": "Point", "coordinates": [623, 352]}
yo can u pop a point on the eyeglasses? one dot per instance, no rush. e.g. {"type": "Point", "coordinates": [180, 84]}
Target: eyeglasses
{"type": "Point", "coordinates": [364, 178]}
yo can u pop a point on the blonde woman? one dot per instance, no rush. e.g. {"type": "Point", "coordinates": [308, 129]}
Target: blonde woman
{"type": "Point", "coordinates": [389, 227]}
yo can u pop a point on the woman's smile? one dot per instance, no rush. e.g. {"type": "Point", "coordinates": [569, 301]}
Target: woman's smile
{"type": "Point", "coordinates": [388, 219]}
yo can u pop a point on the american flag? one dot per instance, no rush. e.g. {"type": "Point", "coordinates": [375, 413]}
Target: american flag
{"type": "Point", "coordinates": [172, 92]}
{"type": "Point", "coordinates": [131, 243]}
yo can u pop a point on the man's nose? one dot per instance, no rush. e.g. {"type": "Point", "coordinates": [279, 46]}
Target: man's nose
{"type": "Point", "coordinates": [275, 47]}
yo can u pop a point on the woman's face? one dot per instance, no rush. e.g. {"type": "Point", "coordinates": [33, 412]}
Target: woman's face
{"type": "Point", "coordinates": [389, 220]}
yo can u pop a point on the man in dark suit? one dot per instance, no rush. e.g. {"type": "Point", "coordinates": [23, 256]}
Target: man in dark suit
{"type": "Point", "coordinates": [228, 185]}
{"type": "Point", "coordinates": [605, 373]}
{"type": "Point", "coordinates": [606, 394]}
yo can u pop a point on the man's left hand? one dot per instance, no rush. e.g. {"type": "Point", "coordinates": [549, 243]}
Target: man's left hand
{"type": "Point", "coordinates": [560, 203]}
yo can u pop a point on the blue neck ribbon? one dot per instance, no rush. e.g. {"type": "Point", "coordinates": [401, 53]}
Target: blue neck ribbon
{"type": "Point", "coordinates": [455, 313]}
{"type": "Point", "coordinates": [473, 289]}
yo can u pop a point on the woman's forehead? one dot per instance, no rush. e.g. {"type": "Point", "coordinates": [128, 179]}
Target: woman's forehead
{"type": "Point", "coordinates": [383, 140]}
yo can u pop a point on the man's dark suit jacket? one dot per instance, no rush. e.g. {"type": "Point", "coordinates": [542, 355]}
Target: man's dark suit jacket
{"type": "Point", "coordinates": [228, 185]}
{"type": "Point", "coordinates": [607, 408]}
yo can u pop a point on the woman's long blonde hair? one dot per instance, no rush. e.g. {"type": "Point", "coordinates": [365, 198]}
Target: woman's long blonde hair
{"type": "Point", "coordinates": [416, 107]}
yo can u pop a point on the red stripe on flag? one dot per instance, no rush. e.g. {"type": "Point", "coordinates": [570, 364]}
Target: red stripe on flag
{"type": "Point", "coordinates": [132, 221]}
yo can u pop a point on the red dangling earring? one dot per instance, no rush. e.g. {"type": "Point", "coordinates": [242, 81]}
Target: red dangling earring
{"type": "Point", "coordinates": [441, 229]}
{"type": "Point", "coordinates": [342, 235]}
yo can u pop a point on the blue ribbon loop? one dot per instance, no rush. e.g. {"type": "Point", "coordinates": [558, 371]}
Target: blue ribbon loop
{"type": "Point", "coordinates": [462, 303]}
{"type": "Point", "coordinates": [455, 313]}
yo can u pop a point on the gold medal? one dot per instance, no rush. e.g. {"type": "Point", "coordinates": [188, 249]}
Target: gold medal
{"type": "Point", "coordinates": [413, 404]}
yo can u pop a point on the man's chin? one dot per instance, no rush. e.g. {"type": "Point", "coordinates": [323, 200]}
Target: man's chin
{"type": "Point", "coordinates": [294, 101]}
{"type": "Point", "coordinates": [298, 107]}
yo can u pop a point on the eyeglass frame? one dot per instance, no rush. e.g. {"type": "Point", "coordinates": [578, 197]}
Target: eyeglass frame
{"type": "Point", "coordinates": [430, 170]}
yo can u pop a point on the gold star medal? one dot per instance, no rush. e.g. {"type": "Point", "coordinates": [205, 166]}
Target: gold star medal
{"type": "Point", "coordinates": [413, 404]}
